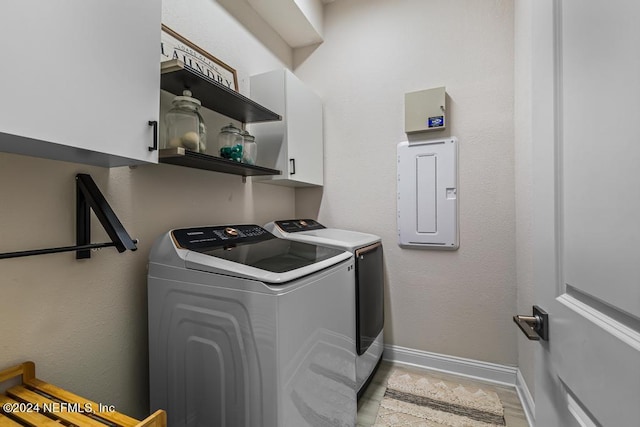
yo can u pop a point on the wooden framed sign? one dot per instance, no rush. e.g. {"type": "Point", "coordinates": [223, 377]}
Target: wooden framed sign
{"type": "Point", "coordinates": [174, 46]}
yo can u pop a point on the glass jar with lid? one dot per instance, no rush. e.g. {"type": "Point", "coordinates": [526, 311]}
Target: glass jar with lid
{"type": "Point", "coordinates": [185, 126]}
{"type": "Point", "coordinates": [230, 143]}
{"type": "Point", "coordinates": [250, 152]}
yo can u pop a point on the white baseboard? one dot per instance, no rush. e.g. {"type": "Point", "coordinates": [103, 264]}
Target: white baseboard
{"type": "Point", "coordinates": [474, 369]}
{"type": "Point", "coordinates": [528, 405]}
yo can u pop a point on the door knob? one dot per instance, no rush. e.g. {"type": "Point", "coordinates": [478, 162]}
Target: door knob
{"type": "Point", "coordinates": [535, 326]}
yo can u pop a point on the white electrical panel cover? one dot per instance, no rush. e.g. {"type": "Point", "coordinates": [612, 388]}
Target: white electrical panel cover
{"type": "Point", "coordinates": [428, 194]}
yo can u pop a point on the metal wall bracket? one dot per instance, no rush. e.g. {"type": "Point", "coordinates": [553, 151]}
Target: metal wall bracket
{"type": "Point", "coordinates": [88, 197]}
{"type": "Point", "coordinates": [536, 326]}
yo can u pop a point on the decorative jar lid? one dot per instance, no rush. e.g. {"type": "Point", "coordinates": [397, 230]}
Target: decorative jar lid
{"type": "Point", "coordinates": [247, 136]}
{"type": "Point", "coordinates": [186, 97]}
{"type": "Point", "coordinates": [230, 128]}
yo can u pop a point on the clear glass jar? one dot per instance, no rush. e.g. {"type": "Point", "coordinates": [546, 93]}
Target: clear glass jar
{"type": "Point", "coordinates": [250, 148]}
{"type": "Point", "coordinates": [185, 126]}
{"type": "Point", "coordinates": [230, 142]}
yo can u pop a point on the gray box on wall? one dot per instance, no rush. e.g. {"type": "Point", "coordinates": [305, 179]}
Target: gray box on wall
{"type": "Point", "coordinates": [425, 110]}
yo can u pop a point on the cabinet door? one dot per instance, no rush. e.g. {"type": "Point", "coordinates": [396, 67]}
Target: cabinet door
{"type": "Point", "coordinates": [294, 145]}
{"type": "Point", "coordinates": [268, 89]}
{"type": "Point", "coordinates": [80, 79]}
{"type": "Point", "coordinates": [304, 133]}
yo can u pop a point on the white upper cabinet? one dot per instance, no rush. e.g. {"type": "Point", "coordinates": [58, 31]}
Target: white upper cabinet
{"type": "Point", "coordinates": [295, 144]}
{"type": "Point", "coordinates": [80, 80]}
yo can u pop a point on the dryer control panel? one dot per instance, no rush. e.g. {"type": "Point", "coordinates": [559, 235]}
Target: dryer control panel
{"type": "Point", "coordinates": [295, 225]}
{"type": "Point", "coordinates": [220, 235]}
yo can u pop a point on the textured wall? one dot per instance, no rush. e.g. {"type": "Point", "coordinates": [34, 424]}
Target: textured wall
{"type": "Point", "coordinates": [456, 303]}
{"type": "Point", "coordinates": [84, 322]}
{"type": "Point", "coordinates": [523, 181]}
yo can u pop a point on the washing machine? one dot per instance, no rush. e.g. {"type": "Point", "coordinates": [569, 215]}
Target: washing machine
{"type": "Point", "coordinates": [250, 330]}
{"type": "Point", "coordinates": [369, 282]}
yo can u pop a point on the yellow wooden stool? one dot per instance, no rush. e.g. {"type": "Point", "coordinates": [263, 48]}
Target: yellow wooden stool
{"type": "Point", "coordinates": [37, 403]}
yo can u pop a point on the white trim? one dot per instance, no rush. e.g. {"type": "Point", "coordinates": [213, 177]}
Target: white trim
{"type": "Point", "coordinates": [625, 334]}
{"type": "Point", "coordinates": [494, 373]}
{"type": "Point", "coordinates": [528, 404]}
{"type": "Point", "coordinates": [474, 369]}
{"type": "Point", "coordinates": [581, 417]}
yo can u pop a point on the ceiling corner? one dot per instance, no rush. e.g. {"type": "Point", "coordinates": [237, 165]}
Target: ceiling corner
{"type": "Point", "coordinates": [298, 22]}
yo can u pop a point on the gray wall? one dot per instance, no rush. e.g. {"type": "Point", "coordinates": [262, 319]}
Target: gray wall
{"type": "Point", "coordinates": [455, 303]}
{"type": "Point", "coordinates": [523, 182]}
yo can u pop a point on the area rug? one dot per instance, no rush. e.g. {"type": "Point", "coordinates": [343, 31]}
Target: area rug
{"type": "Point", "coordinates": [415, 400]}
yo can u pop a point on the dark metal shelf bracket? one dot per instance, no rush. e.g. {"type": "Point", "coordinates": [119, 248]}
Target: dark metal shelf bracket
{"type": "Point", "coordinates": [88, 197]}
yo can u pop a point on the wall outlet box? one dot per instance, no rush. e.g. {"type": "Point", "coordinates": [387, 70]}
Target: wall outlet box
{"type": "Point", "coordinates": [425, 110]}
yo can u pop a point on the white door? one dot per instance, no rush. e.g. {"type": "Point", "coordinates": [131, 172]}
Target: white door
{"type": "Point", "coordinates": [586, 175]}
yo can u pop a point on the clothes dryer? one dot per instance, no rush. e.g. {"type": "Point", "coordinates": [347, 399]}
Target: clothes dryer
{"type": "Point", "coordinates": [369, 283]}
{"type": "Point", "coordinates": [249, 330]}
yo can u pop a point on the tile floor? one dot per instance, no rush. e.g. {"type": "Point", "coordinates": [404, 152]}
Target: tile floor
{"type": "Point", "coordinates": [370, 401]}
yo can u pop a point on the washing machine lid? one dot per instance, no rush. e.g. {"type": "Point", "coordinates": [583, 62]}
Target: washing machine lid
{"type": "Point", "coordinates": [311, 231]}
{"type": "Point", "coordinates": [250, 251]}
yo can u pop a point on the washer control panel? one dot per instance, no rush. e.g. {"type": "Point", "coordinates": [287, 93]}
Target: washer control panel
{"type": "Point", "coordinates": [222, 235]}
{"type": "Point", "coordinates": [295, 225]}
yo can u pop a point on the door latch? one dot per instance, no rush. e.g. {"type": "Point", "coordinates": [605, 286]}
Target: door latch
{"type": "Point", "coordinates": [535, 326]}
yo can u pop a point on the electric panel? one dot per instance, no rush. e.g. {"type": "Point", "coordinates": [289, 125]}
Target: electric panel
{"type": "Point", "coordinates": [428, 194]}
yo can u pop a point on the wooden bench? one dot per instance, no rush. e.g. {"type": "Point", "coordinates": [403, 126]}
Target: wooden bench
{"type": "Point", "coordinates": [36, 403]}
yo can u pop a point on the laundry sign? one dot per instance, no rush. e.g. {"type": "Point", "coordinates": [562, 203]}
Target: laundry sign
{"type": "Point", "coordinates": [175, 46]}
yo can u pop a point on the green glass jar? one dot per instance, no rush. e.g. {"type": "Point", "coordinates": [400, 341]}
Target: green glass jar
{"type": "Point", "coordinates": [230, 143]}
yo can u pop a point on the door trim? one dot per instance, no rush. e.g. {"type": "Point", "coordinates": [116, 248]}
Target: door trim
{"type": "Point", "coordinates": [608, 324]}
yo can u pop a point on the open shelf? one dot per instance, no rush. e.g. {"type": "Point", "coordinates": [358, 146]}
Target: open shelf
{"type": "Point", "coordinates": [176, 77]}
{"type": "Point", "coordinates": [181, 157]}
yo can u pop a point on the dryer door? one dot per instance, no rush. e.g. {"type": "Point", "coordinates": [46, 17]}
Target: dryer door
{"type": "Point", "coordinates": [370, 296]}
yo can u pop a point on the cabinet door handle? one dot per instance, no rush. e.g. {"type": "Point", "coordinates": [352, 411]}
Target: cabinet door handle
{"type": "Point", "coordinates": [292, 166]}
{"type": "Point", "coordinates": [154, 123]}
